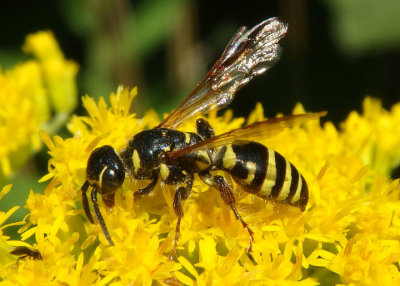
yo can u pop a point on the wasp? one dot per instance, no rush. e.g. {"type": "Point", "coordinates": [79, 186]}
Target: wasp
{"type": "Point", "coordinates": [24, 251]}
{"type": "Point", "coordinates": [173, 157]}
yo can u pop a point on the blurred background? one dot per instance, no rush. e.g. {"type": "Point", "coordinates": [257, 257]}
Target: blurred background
{"type": "Point", "coordinates": [335, 53]}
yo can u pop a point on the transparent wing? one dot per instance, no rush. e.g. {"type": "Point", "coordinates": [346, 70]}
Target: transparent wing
{"type": "Point", "coordinates": [253, 132]}
{"type": "Point", "coordinates": [248, 54]}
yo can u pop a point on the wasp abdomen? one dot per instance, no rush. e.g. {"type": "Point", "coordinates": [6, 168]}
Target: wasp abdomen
{"type": "Point", "coordinates": [265, 173]}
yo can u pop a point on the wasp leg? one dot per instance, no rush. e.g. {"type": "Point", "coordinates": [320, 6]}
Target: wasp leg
{"type": "Point", "coordinates": [85, 202]}
{"type": "Point", "coordinates": [227, 196]}
{"type": "Point", "coordinates": [204, 129]}
{"type": "Point", "coordinates": [182, 193]}
{"type": "Point", "coordinates": [20, 258]}
{"type": "Point", "coordinates": [146, 190]}
{"type": "Point", "coordinates": [99, 216]}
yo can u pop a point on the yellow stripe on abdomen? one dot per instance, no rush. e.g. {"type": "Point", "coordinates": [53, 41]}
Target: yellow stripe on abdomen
{"type": "Point", "coordinates": [285, 191]}
{"type": "Point", "coordinates": [296, 196]}
{"type": "Point", "coordinates": [270, 177]}
{"type": "Point", "coordinates": [229, 159]}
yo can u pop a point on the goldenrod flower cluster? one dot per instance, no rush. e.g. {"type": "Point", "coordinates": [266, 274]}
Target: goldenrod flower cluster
{"type": "Point", "coordinates": [349, 233]}
{"type": "Point", "coordinates": [29, 93]}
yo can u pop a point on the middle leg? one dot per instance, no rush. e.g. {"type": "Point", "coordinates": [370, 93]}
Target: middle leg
{"type": "Point", "coordinates": [146, 190]}
{"type": "Point", "coordinates": [182, 193]}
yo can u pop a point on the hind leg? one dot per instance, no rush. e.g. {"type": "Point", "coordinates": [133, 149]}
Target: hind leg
{"type": "Point", "coordinates": [219, 183]}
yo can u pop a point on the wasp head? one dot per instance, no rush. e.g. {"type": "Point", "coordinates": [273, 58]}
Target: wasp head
{"type": "Point", "coordinates": [105, 173]}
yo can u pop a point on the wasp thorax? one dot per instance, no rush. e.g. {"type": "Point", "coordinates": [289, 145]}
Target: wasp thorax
{"type": "Point", "coordinates": [105, 170]}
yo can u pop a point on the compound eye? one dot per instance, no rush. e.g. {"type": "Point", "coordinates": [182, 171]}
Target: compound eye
{"type": "Point", "coordinates": [111, 179]}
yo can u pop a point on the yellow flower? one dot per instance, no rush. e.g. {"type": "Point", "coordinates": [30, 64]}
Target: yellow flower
{"type": "Point", "coordinates": [347, 235]}
{"type": "Point", "coordinates": [366, 260]}
{"type": "Point", "coordinates": [375, 135]}
{"type": "Point", "coordinates": [24, 104]}
{"type": "Point", "coordinates": [58, 73]}
{"type": "Point", "coordinates": [25, 91]}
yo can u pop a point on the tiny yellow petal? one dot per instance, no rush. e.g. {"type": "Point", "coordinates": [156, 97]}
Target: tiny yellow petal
{"type": "Point", "coordinates": [184, 279]}
{"type": "Point", "coordinates": [5, 190]}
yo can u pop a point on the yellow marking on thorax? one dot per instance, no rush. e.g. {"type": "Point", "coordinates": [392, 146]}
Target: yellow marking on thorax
{"type": "Point", "coordinates": [229, 160]}
{"type": "Point", "coordinates": [251, 168]}
{"type": "Point", "coordinates": [187, 138]}
{"type": "Point", "coordinates": [135, 161]}
{"type": "Point", "coordinates": [286, 184]}
{"type": "Point", "coordinates": [296, 196]}
{"type": "Point", "coordinates": [270, 177]}
{"type": "Point", "coordinates": [164, 171]}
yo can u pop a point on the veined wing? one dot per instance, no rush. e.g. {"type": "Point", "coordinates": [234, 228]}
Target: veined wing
{"type": "Point", "coordinates": [248, 54]}
{"type": "Point", "coordinates": [253, 132]}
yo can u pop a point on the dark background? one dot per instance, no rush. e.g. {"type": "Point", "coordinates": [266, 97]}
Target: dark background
{"type": "Point", "coordinates": [335, 53]}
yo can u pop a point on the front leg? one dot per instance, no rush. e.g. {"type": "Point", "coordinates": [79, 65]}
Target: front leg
{"type": "Point", "coordinates": [99, 216]}
{"type": "Point", "coordinates": [85, 202]}
{"type": "Point", "coordinates": [182, 193]}
{"type": "Point", "coordinates": [148, 189]}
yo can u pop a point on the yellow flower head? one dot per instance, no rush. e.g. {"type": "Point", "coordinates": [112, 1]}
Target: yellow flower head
{"type": "Point", "coordinates": [29, 92]}
{"type": "Point", "coordinates": [348, 233]}
{"type": "Point", "coordinates": [58, 73]}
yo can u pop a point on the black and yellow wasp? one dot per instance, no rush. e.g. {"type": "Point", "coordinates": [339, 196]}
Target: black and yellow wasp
{"type": "Point", "coordinates": [172, 156]}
